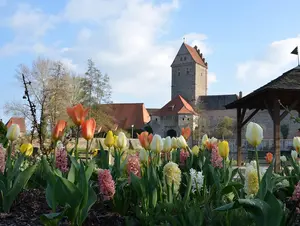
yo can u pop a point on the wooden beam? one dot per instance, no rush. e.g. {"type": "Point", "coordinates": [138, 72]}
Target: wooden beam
{"type": "Point", "coordinates": [249, 117]}
{"type": "Point", "coordinates": [293, 105]}
{"type": "Point", "coordinates": [270, 110]}
{"type": "Point", "coordinates": [243, 115]}
{"type": "Point", "coordinates": [239, 136]}
{"type": "Point", "coordinates": [276, 133]}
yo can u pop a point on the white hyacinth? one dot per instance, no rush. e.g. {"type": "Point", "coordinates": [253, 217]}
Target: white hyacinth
{"type": "Point", "coordinates": [197, 180]}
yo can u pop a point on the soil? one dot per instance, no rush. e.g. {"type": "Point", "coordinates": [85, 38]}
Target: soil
{"type": "Point", "coordinates": [31, 204]}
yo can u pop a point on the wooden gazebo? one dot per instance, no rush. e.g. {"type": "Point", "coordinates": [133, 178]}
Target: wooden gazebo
{"type": "Point", "coordinates": [276, 96]}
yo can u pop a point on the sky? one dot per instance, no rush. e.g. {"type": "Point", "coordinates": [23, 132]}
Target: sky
{"type": "Point", "coordinates": [246, 43]}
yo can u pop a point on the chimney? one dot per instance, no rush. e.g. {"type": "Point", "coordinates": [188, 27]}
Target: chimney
{"type": "Point", "coordinates": [240, 94]}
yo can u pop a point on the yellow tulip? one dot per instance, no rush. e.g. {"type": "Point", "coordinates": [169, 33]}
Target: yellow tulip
{"type": "Point", "coordinates": [296, 143]}
{"type": "Point", "coordinates": [26, 149]}
{"type": "Point", "coordinates": [109, 139]}
{"type": "Point", "coordinates": [195, 150]}
{"type": "Point", "coordinates": [13, 132]}
{"type": "Point", "coordinates": [254, 134]}
{"type": "Point", "coordinates": [94, 152]}
{"type": "Point", "coordinates": [224, 149]}
{"type": "Point", "coordinates": [157, 144]}
{"type": "Point", "coordinates": [121, 140]}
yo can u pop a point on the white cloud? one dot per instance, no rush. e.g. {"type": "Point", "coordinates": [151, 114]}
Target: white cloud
{"type": "Point", "coordinates": [122, 37]}
{"type": "Point", "coordinates": [211, 78]}
{"type": "Point", "coordinates": [275, 60]}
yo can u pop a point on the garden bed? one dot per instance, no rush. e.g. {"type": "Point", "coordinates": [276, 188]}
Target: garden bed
{"type": "Point", "coordinates": [31, 204]}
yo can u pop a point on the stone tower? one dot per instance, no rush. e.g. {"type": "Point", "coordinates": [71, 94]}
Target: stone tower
{"type": "Point", "coordinates": [189, 74]}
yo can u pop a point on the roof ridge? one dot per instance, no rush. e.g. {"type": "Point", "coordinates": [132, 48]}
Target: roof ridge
{"type": "Point", "coordinates": [194, 52]}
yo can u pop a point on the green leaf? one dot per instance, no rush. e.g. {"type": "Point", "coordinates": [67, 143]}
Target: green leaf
{"type": "Point", "coordinates": [16, 168]}
{"type": "Point", "coordinates": [19, 183]}
{"type": "Point", "coordinates": [50, 196]}
{"type": "Point", "coordinates": [67, 193]}
{"type": "Point", "coordinates": [229, 188]}
{"type": "Point", "coordinates": [137, 185]}
{"type": "Point", "coordinates": [92, 198]}
{"type": "Point", "coordinates": [72, 173]}
{"type": "Point", "coordinates": [74, 161]}
{"type": "Point", "coordinates": [89, 170]}
{"type": "Point", "coordinates": [276, 212]}
{"type": "Point", "coordinates": [52, 219]}
{"type": "Point", "coordinates": [266, 183]}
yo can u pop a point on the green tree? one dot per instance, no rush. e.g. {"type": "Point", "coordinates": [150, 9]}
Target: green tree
{"type": "Point", "coordinates": [284, 129]}
{"type": "Point", "coordinates": [224, 128]}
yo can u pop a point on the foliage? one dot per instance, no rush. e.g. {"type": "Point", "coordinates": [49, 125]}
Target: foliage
{"type": "Point", "coordinates": [3, 131]}
{"type": "Point", "coordinates": [13, 180]}
{"type": "Point", "coordinates": [225, 128]}
{"type": "Point", "coordinates": [284, 129]}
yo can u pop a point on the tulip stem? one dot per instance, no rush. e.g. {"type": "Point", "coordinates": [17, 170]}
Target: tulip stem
{"type": "Point", "coordinates": [76, 142]}
{"type": "Point", "coordinates": [87, 152]}
{"type": "Point", "coordinates": [257, 166]}
{"type": "Point", "coordinates": [8, 163]}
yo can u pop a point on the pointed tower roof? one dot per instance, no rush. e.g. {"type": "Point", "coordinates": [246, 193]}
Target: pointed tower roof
{"type": "Point", "coordinates": [196, 55]}
{"type": "Point", "coordinates": [177, 105]}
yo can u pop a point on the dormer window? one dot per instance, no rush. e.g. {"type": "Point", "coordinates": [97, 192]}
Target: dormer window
{"type": "Point", "coordinates": [171, 108]}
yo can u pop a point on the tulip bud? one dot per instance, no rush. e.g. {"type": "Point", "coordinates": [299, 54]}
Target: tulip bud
{"type": "Point", "coordinates": [283, 158]}
{"type": "Point", "coordinates": [115, 141]}
{"type": "Point", "coordinates": [174, 143]}
{"type": "Point", "coordinates": [186, 133]}
{"type": "Point", "coordinates": [181, 142]}
{"type": "Point", "coordinates": [269, 157]}
{"type": "Point", "coordinates": [254, 134]}
{"type": "Point", "coordinates": [26, 149]}
{"type": "Point", "coordinates": [223, 149]}
{"type": "Point", "coordinates": [167, 144]}
{"type": "Point", "coordinates": [109, 139]}
{"type": "Point", "coordinates": [204, 139]}
{"type": "Point", "coordinates": [195, 150]}
{"type": "Point", "coordinates": [88, 128]}
{"type": "Point", "coordinates": [13, 132]}
{"type": "Point", "coordinates": [294, 155]}
{"type": "Point", "coordinates": [121, 140]}
{"type": "Point", "coordinates": [296, 143]}
{"type": "Point", "coordinates": [143, 154]}
{"type": "Point", "coordinates": [156, 144]}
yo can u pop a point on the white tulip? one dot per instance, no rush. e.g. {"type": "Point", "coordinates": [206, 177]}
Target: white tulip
{"type": "Point", "coordinates": [254, 134]}
{"type": "Point", "coordinates": [204, 139]}
{"type": "Point", "coordinates": [282, 158]}
{"type": "Point", "coordinates": [181, 142]}
{"type": "Point", "coordinates": [296, 143]}
{"type": "Point", "coordinates": [167, 144]}
{"type": "Point", "coordinates": [122, 140]}
{"type": "Point", "coordinates": [143, 154]}
{"type": "Point", "coordinates": [157, 143]}
{"type": "Point", "coordinates": [294, 155]}
{"type": "Point", "coordinates": [174, 143]}
{"type": "Point", "coordinates": [13, 132]}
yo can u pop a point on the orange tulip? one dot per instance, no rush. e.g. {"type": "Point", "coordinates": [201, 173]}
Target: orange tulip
{"type": "Point", "coordinates": [186, 132]}
{"type": "Point", "coordinates": [77, 113]}
{"type": "Point", "coordinates": [88, 128]}
{"type": "Point", "coordinates": [269, 157]}
{"type": "Point", "coordinates": [145, 139]}
{"type": "Point", "coordinates": [58, 130]}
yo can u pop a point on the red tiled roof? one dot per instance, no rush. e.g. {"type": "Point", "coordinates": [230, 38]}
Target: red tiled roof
{"type": "Point", "coordinates": [17, 120]}
{"type": "Point", "coordinates": [197, 56]}
{"type": "Point", "coordinates": [178, 105]}
{"type": "Point", "coordinates": [125, 115]}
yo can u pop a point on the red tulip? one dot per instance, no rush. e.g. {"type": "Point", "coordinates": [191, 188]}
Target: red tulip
{"type": "Point", "coordinates": [88, 128]}
{"type": "Point", "coordinates": [58, 130]}
{"type": "Point", "coordinates": [77, 113]}
{"type": "Point", "coordinates": [269, 157]}
{"type": "Point", "coordinates": [145, 139]}
{"type": "Point", "coordinates": [186, 132]}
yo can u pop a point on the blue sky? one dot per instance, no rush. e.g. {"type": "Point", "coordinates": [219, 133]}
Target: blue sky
{"type": "Point", "coordinates": [246, 43]}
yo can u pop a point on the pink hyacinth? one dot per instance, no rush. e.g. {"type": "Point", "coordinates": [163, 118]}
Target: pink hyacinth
{"type": "Point", "coordinates": [61, 159]}
{"type": "Point", "coordinates": [133, 166]}
{"type": "Point", "coordinates": [183, 156]}
{"type": "Point", "coordinates": [296, 193]}
{"type": "Point", "coordinates": [216, 159]}
{"type": "Point", "coordinates": [2, 159]}
{"type": "Point", "coordinates": [106, 184]}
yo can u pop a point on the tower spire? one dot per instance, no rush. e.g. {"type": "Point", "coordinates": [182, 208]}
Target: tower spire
{"type": "Point", "coordinates": [184, 39]}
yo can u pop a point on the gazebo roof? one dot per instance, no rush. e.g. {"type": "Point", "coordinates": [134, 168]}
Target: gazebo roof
{"type": "Point", "coordinates": [286, 88]}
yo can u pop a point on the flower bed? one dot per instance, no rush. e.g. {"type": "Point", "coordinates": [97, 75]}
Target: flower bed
{"type": "Point", "coordinates": [164, 183]}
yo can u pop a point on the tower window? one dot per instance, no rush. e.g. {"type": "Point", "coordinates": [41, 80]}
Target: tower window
{"type": "Point", "coordinates": [184, 58]}
{"type": "Point", "coordinates": [187, 70]}
{"type": "Point", "coordinates": [180, 58]}
{"type": "Point", "coordinates": [178, 72]}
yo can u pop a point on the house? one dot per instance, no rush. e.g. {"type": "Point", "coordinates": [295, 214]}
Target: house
{"type": "Point", "coordinates": [19, 121]}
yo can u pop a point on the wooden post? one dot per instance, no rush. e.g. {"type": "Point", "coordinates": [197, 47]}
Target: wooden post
{"type": "Point", "coordinates": [276, 133]}
{"type": "Point", "coordinates": [239, 137]}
